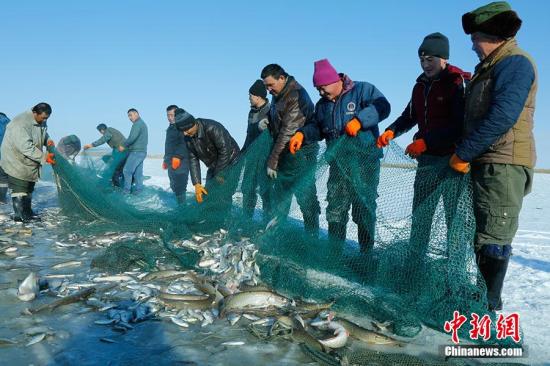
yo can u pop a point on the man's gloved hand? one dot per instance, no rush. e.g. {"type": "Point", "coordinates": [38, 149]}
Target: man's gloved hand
{"type": "Point", "coordinates": [459, 165]}
{"type": "Point", "coordinates": [50, 143]}
{"type": "Point", "coordinates": [176, 162]}
{"type": "Point", "coordinates": [262, 125]}
{"type": "Point", "coordinates": [271, 173]}
{"type": "Point", "coordinates": [296, 142]}
{"type": "Point", "coordinates": [353, 127]}
{"type": "Point", "coordinates": [50, 158]}
{"type": "Point", "coordinates": [416, 148]}
{"type": "Point", "coordinates": [87, 146]}
{"type": "Point", "coordinates": [121, 148]}
{"type": "Point", "coordinates": [384, 139]}
{"type": "Point", "coordinates": [199, 191]}
{"type": "Point", "coordinates": [164, 165]}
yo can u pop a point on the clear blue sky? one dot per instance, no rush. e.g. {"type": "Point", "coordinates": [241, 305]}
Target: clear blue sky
{"type": "Point", "coordinates": [92, 60]}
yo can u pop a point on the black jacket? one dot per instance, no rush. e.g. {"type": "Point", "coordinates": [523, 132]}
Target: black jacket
{"type": "Point", "coordinates": [214, 146]}
{"type": "Point", "coordinates": [254, 117]}
{"type": "Point", "coordinates": [175, 146]}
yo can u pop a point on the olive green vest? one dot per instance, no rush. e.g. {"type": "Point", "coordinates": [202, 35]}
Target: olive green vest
{"type": "Point", "coordinates": [517, 145]}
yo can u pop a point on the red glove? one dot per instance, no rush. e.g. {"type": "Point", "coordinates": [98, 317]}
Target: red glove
{"type": "Point", "coordinates": [353, 127]}
{"type": "Point", "coordinates": [416, 148]}
{"type": "Point", "coordinates": [459, 165]}
{"type": "Point", "coordinates": [176, 162]}
{"type": "Point", "coordinates": [50, 143]}
{"type": "Point", "coordinates": [296, 142]}
{"type": "Point", "coordinates": [50, 158]}
{"type": "Point", "coordinates": [164, 165]}
{"type": "Point", "coordinates": [384, 139]}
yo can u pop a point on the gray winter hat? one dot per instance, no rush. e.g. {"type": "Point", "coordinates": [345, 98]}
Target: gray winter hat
{"type": "Point", "coordinates": [435, 44]}
{"type": "Point", "coordinates": [184, 120]}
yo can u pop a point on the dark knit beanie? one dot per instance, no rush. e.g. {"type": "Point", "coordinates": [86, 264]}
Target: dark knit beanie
{"type": "Point", "coordinates": [435, 44]}
{"type": "Point", "coordinates": [496, 19]}
{"type": "Point", "coordinates": [184, 120]}
{"type": "Point", "coordinates": [258, 89]}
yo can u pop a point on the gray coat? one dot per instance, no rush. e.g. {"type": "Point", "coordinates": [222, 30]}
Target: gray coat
{"type": "Point", "coordinates": [137, 141]}
{"type": "Point", "coordinates": [22, 147]}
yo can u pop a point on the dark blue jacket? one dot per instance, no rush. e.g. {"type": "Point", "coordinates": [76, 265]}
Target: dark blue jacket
{"type": "Point", "coordinates": [175, 146]}
{"type": "Point", "coordinates": [359, 99]}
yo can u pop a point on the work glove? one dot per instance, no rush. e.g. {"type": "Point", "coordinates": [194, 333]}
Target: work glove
{"type": "Point", "coordinates": [271, 173]}
{"type": "Point", "coordinates": [459, 165]}
{"type": "Point", "coordinates": [199, 191]}
{"type": "Point", "coordinates": [353, 127]}
{"type": "Point", "coordinates": [164, 165]}
{"type": "Point", "coordinates": [296, 142]}
{"type": "Point", "coordinates": [416, 148]}
{"type": "Point", "coordinates": [50, 158]}
{"type": "Point", "coordinates": [176, 162]}
{"type": "Point", "coordinates": [50, 143]}
{"type": "Point", "coordinates": [262, 125]}
{"type": "Point", "coordinates": [384, 139]}
{"type": "Point", "coordinates": [87, 146]}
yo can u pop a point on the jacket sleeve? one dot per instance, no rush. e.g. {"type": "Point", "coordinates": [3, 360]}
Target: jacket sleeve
{"type": "Point", "coordinates": [180, 148]}
{"type": "Point", "coordinates": [194, 167]}
{"type": "Point", "coordinates": [374, 106]}
{"type": "Point", "coordinates": [404, 122]}
{"type": "Point", "coordinates": [451, 133]}
{"type": "Point", "coordinates": [135, 131]}
{"type": "Point", "coordinates": [169, 144]}
{"type": "Point", "coordinates": [312, 129]}
{"type": "Point", "coordinates": [223, 142]}
{"type": "Point", "coordinates": [103, 139]}
{"type": "Point", "coordinates": [513, 77]}
{"type": "Point", "coordinates": [293, 119]}
{"type": "Point", "coordinates": [28, 148]}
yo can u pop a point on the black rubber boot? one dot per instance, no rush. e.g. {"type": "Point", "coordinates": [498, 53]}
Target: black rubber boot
{"type": "Point", "coordinates": [27, 209]}
{"type": "Point", "coordinates": [366, 241]}
{"type": "Point", "coordinates": [493, 270]}
{"type": "Point", "coordinates": [18, 209]}
{"type": "Point", "coordinates": [3, 195]}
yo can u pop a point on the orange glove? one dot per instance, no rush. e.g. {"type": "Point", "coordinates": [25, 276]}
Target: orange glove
{"type": "Point", "coordinates": [296, 142]}
{"type": "Point", "coordinates": [385, 138]}
{"type": "Point", "coordinates": [199, 191]}
{"type": "Point", "coordinates": [50, 143]}
{"type": "Point", "coordinates": [416, 148]}
{"type": "Point", "coordinates": [164, 165]}
{"type": "Point", "coordinates": [353, 127]}
{"type": "Point", "coordinates": [176, 162]}
{"type": "Point", "coordinates": [50, 158]}
{"type": "Point", "coordinates": [459, 165]}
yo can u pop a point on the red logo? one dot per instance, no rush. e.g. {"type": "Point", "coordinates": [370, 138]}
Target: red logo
{"type": "Point", "coordinates": [506, 326]}
{"type": "Point", "coordinates": [454, 325]}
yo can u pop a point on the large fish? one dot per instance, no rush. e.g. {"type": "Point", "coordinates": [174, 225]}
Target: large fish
{"type": "Point", "coordinates": [253, 300]}
{"type": "Point", "coordinates": [28, 290]}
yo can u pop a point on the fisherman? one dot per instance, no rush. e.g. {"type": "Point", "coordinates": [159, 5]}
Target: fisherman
{"type": "Point", "coordinates": [437, 107]}
{"type": "Point", "coordinates": [4, 120]}
{"type": "Point", "coordinates": [498, 143]}
{"type": "Point", "coordinates": [136, 145]}
{"type": "Point", "coordinates": [291, 109]}
{"type": "Point", "coordinates": [176, 156]}
{"type": "Point", "coordinates": [114, 138]}
{"type": "Point", "coordinates": [352, 109]}
{"type": "Point", "coordinates": [22, 155]}
{"type": "Point", "coordinates": [253, 179]}
{"type": "Point", "coordinates": [69, 147]}
{"type": "Point", "coordinates": [208, 141]}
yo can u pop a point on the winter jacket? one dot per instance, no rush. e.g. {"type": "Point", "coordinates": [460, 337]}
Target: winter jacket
{"type": "Point", "coordinates": [289, 111]}
{"type": "Point", "coordinates": [137, 141]}
{"type": "Point", "coordinates": [437, 107]}
{"type": "Point", "coordinates": [4, 120]}
{"type": "Point", "coordinates": [214, 146]}
{"type": "Point", "coordinates": [113, 137]}
{"type": "Point", "coordinates": [254, 117]}
{"type": "Point", "coordinates": [175, 145]}
{"type": "Point", "coordinates": [358, 99]}
{"type": "Point", "coordinates": [499, 109]}
{"type": "Point", "coordinates": [22, 147]}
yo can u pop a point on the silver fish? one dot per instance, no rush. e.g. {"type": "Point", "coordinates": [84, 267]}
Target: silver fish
{"type": "Point", "coordinates": [28, 290]}
{"type": "Point", "coordinates": [36, 339]}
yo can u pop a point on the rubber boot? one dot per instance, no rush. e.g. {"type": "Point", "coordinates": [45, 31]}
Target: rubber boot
{"type": "Point", "coordinates": [366, 241]}
{"type": "Point", "coordinates": [3, 195]}
{"type": "Point", "coordinates": [493, 269]}
{"type": "Point", "coordinates": [27, 209]}
{"type": "Point", "coordinates": [18, 209]}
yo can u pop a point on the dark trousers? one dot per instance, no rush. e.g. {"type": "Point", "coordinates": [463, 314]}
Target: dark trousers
{"type": "Point", "coordinates": [20, 187]}
{"type": "Point", "coordinates": [178, 178]}
{"type": "Point", "coordinates": [255, 179]}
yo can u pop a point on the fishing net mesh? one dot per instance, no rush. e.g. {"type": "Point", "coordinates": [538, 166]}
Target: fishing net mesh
{"type": "Point", "coordinates": [405, 255]}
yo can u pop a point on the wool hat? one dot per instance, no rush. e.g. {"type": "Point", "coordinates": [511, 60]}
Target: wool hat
{"type": "Point", "coordinates": [496, 19]}
{"type": "Point", "coordinates": [258, 89]}
{"type": "Point", "coordinates": [324, 73]}
{"type": "Point", "coordinates": [435, 44]}
{"type": "Point", "coordinates": [184, 120]}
